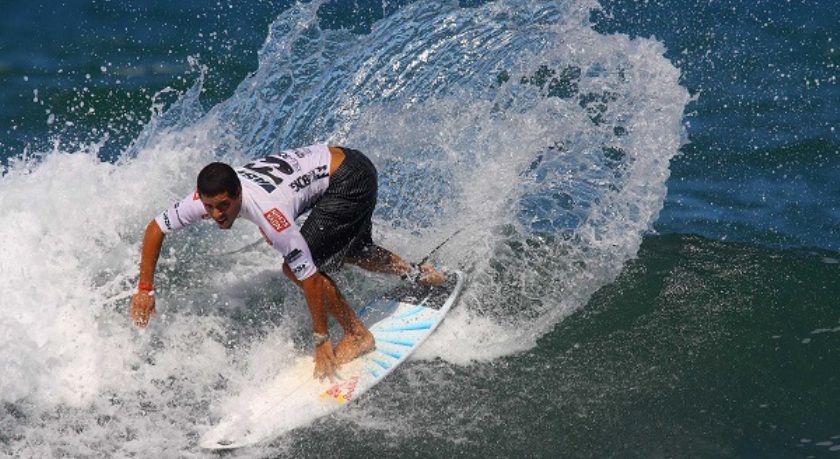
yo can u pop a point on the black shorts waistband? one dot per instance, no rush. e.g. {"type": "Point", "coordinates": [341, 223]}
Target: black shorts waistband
{"type": "Point", "coordinates": [355, 166]}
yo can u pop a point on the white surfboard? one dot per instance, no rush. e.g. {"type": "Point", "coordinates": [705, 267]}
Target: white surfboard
{"type": "Point", "coordinates": [399, 321]}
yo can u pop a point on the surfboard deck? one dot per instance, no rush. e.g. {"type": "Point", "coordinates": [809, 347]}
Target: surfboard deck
{"type": "Point", "coordinates": [400, 321]}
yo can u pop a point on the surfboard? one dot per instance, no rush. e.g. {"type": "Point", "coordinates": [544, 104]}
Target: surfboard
{"type": "Point", "coordinates": [400, 321]}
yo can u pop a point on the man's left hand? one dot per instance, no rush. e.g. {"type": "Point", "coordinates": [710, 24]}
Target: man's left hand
{"type": "Point", "coordinates": [326, 364]}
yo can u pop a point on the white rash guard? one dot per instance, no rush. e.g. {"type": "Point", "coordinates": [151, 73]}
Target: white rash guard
{"type": "Point", "coordinates": [276, 190]}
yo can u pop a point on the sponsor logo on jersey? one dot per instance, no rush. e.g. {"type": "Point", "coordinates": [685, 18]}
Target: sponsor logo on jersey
{"type": "Point", "coordinates": [293, 255]}
{"type": "Point", "coordinates": [308, 178]}
{"type": "Point", "coordinates": [277, 220]}
{"type": "Point", "coordinates": [300, 268]}
{"type": "Point", "coordinates": [289, 159]}
{"type": "Point", "coordinates": [177, 208]}
{"type": "Point", "coordinates": [166, 220]}
{"type": "Point", "coordinates": [259, 180]}
{"type": "Point", "coordinates": [301, 152]}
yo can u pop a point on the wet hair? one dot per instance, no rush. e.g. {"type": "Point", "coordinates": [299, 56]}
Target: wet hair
{"type": "Point", "coordinates": [216, 178]}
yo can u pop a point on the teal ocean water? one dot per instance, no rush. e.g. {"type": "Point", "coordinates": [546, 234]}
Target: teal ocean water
{"type": "Point", "coordinates": [643, 195]}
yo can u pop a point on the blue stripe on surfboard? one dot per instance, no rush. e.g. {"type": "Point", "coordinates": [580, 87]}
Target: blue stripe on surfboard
{"type": "Point", "coordinates": [416, 310]}
{"type": "Point", "coordinates": [393, 354]}
{"type": "Point", "coordinates": [409, 327]}
{"type": "Point", "coordinates": [398, 342]}
{"type": "Point", "coordinates": [373, 371]}
{"type": "Point", "coordinates": [384, 365]}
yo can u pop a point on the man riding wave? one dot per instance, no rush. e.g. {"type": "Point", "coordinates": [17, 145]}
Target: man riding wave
{"type": "Point", "coordinates": [338, 186]}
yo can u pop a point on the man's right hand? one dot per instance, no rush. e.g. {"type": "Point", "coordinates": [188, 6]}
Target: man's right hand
{"type": "Point", "coordinates": [142, 308]}
{"type": "Point", "coordinates": [143, 302]}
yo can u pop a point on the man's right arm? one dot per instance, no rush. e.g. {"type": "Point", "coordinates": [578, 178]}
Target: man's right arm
{"type": "Point", "coordinates": [181, 214]}
{"type": "Point", "coordinates": [143, 302]}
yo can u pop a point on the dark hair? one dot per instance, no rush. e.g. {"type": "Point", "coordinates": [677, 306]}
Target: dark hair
{"type": "Point", "coordinates": [216, 178]}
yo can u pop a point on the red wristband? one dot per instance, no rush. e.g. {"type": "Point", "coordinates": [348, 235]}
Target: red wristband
{"type": "Point", "coordinates": [146, 287]}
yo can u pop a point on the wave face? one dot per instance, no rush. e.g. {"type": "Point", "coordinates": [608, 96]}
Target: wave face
{"type": "Point", "coordinates": [539, 145]}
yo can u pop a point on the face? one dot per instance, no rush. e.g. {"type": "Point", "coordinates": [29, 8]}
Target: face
{"type": "Point", "coordinates": [222, 208]}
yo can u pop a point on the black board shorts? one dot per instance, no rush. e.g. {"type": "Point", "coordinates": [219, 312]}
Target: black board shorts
{"type": "Point", "coordinates": [340, 224]}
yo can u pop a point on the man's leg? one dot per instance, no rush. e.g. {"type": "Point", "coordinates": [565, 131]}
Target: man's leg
{"type": "Point", "coordinates": [357, 338]}
{"type": "Point", "coordinates": [340, 229]}
{"type": "Point", "coordinates": [378, 259]}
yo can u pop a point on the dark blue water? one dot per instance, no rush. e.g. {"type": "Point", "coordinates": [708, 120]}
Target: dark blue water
{"type": "Point", "coordinates": [647, 190]}
{"type": "Point", "coordinates": [764, 140]}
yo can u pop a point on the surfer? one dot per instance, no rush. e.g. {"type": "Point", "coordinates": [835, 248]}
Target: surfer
{"type": "Point", "coordinates": [339, 186]}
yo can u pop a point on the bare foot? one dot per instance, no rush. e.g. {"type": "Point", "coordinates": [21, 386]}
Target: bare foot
{"type": "Point", "coordinates": [352, 346]}
{"type": "Point", "coordinates": [430, 276]}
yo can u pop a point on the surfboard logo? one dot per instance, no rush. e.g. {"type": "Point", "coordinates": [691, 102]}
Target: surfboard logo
{"type": "Point", "coordinates": [277, 220]}
{"type": "Point", "coordinates": [343, 392]}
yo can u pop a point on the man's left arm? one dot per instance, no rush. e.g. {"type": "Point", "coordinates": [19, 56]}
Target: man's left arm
{"type": "Point", "coordinates": [314, 291]}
